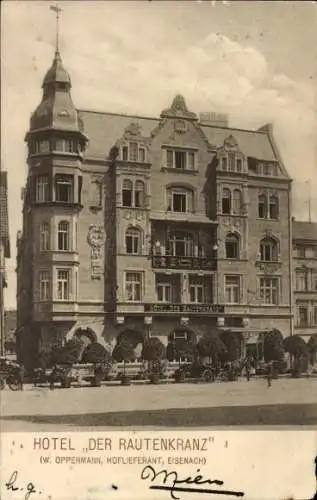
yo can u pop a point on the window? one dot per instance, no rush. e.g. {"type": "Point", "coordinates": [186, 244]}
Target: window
{"type": "Point", "coordinates": [314, 282]}
{"type": "Point", "coordinates": [44, 147]}
{"type": "Point", "coordinates": [42, 188]}
{"type": "Point", "coordinates": [273, 207]}
{"type": "Point", "coordinates": [302, 316]}
{"type": "Point", "coordinates": [315, 315]}
{"type": "Point", "coordinates": [180, 200]}
{"type": "Point", "coordinates": [133, 151]}
{"type": "Point", "coordinates": [44, 237]}
{"type": "Point", "coordinates": [269, 290]}
{"type": "Point", "coordinates": [268, 250]}
{"type": "Point", "coordinates": [64, 188]}
{"type": "Point", "coordinates": [63, 236]}
{"type": "Point", "coordinates": [180, 160]}
{"type": "Point", "coordinates": [125, 151]}
{"type": "Point", "coordinates": [133, 286]}
{"type": "Point", "coordinates": [226, 201]}
{"type": "Point", "coordinates": [181, 244]}
{"type": "Point", "coordinates": [302, 252]}
{"type": "Point", "coordinates": [142, 154]}
{"type": "Point", "coordinates": [127, 193]}
{"type": "Point", "coordinates": [239, 165]}
{"type": "Point", "coordinates": [232, 289]}
{"type": "Point", "coordinates": [262, 206]}
{"type": "Point", "coordinates": [139, 194]}
{"type": "Point", "coordinates": [63, 284]}
{"type": "Point", "coordinates": [44, 285]}
{"type": "Point", "coordinates": [96, 195]}
{"type": "Point", "coordinates": [231, 162]}
{"type": "Point", "coordinates": [133, 241]}
{"type": "Point", "coordinates": [232, 246]}
{"type": "Point", "coordinates": [196, 291]}
{"type": "Point", "coordinates": [224, 163]}
{"type": "Point", "coordinates": [164, 292]}
{"type": "Point", "coordinates": [301, 281]}
{"type": "Point", "coordinates": [237, 202]}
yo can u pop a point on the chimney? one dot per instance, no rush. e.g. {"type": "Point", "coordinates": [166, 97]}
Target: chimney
{"type": "Point", "coordinates": [215, 119]}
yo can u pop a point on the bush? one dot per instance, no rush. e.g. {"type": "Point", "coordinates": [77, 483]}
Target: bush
{"type": "Point", "coordinates": [69, 354]}
{"type": "Point", "coordinates": [154, 351]}
{"type": "Point", "coordinates": [232, 343]}
{"type": "Point", "coordinates": [124, 351]}
{"type": "Point", "coordinates": [273, 346]}
{"type": "Point", "coordinates": [295, 346]}
{"type": "Point", "coordinates": [178, 349]}
{"type": "Point", "coordinates": [96, 353]}
{"type": "Point", "coordinates": [211, 346]}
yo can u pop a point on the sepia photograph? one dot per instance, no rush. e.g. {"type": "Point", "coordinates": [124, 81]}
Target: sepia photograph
{"type": "Point", "coordinates": [158, 211]}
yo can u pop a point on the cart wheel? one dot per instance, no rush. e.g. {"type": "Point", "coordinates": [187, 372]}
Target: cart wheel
{"type": "Point", "coordinates": [14, 386]}
{"type": "Point", "coordinates": [2, 383]}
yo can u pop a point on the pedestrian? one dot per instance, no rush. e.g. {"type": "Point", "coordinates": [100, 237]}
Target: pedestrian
{"type": "Point", "coordinates": [248, 370]}
{"type": "Point", "coordinates": [269, 374]}
{"type": "Point", "coordinates": [21, 373]}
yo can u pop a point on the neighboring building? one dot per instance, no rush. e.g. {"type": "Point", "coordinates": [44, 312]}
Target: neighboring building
{"type": "Point", "coordinates": [10, 324]}
{"type": "Point", "coordinates": [305, 278]}
{"type": "Point", "coordinates": [162, 226]}
{"type": "Point", "coordinates": [4, 249]}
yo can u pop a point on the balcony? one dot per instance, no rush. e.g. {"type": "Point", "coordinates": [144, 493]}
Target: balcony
{"type": "Point", "coordinates": [182, 262]}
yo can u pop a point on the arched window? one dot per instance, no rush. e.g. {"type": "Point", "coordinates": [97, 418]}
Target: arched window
{"type": "Point", "coordinates": [181, 244]}
{"type": "Point", "coordinates": [133, 241]}
{"type": "Point", "coordinates": [232, 246]}
{"type": "Point", "coordinates": [226, 201]}
{"type": "Point", "coordinates": [237, 201]}
{"type": "Point", "coordinates": [268, 250]}
{"type": "Point", "coordinates": [180, 199]}
{"type": "Point", "coordinates": [273, 207]}
{"type": "Point", "coordinates": [44, 236]}
{"type": "Point", "coordinates": [127, 190]}
{"type": "Point", "coordinates": [262, 206]}
{"type": "Point", "coordinates": [139, 194]}
{"type": "Point", "coordinates": [63, 235]}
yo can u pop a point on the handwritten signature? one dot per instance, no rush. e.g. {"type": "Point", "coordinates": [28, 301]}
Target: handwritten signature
{"type": "Point", "coordinates": [28, 489]}
{"type": "Point", "coordinates": [170, 481]}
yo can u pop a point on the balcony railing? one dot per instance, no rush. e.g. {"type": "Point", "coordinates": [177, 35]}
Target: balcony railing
{"type": "Point", "coordinates": [179, 262]}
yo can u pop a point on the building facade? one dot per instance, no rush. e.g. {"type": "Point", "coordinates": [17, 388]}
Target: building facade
{"type": "Point", "coordinates": [305, 278]}
{"type": "Point", "coordinates": [166, 227]}
{"type": "Point", "coordinates": [4, 251]}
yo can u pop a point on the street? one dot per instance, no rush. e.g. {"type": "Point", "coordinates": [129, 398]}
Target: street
{"type": "Point", "coordinates": [290, 402]}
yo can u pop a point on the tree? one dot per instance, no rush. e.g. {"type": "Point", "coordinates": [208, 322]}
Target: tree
{"type": "Point", "coordinates": [96, 353]}
{"type": "Point", "coordinates": [180, 348]}
{"type": "Point", "coordinates": [154, 351]}
{"type": "Point", "coordinates": [273, 346]}
{"type": "Point", "coordinates": [297, 348]}
{"type": "Point", "coordinates": [232, 343]}
{"type": "Point", "coordinates": [69, 354]}
{"type": "Point", "coordinates": [211, 346]}
{"type": "Point", "coordinates": [123, 351]}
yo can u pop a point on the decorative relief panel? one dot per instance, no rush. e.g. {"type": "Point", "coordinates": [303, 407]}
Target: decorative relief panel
{"type": "Point", "coordinates": [96, 239]}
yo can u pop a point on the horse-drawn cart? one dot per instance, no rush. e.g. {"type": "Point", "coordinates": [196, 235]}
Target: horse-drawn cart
{"type": "Point", "coordinates": [9, 374]}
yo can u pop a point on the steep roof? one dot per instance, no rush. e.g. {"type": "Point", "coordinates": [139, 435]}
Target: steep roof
{"type": "Point", "coordinates": [104, 129]}
{"type": "Point", "coordinates": [305, 231]}
{"type": "Point", "coordinates": [4, 219]}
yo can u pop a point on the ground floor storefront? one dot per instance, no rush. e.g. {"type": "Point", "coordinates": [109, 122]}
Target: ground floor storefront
{"type": "Point", "coordinates": [109, 330]}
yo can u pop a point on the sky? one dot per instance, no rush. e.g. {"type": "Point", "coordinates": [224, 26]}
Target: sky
{"type": "Point", "coordinates": [255, 61]}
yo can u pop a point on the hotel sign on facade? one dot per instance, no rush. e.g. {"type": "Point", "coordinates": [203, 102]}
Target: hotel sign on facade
{"type": "Point", "coordinates": [184, 308]}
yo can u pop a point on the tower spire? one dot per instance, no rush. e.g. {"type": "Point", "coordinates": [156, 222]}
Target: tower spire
{"type": "Point", "coordinates": [56, 8]}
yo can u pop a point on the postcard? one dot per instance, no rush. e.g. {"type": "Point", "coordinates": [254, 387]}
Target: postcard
{"type": "Point", "coordinates": [158, 250]}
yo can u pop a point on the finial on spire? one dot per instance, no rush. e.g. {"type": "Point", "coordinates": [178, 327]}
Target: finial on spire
{"type": "Point", "coordinates": [56, 8]}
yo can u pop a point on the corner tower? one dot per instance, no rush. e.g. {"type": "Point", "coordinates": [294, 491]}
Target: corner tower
{"type": "Point", "coordinates": [48, 248]}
